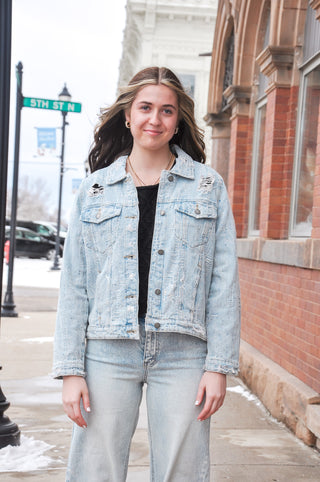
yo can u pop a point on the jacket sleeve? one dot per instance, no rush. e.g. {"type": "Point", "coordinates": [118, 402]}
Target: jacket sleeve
{"type": "Point", "coordinates": [72, 315]}
{"type": "Point", "coordinates": [223, 303]}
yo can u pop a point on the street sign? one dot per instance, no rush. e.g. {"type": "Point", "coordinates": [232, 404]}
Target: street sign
{"type": "Point", "coordinates": [51, 104]}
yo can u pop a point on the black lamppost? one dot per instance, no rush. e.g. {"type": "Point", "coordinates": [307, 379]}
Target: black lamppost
{"type": "Point", "coordinates": [64, 96]}
{"type": "Point", "coordinates": [9, 431]}
{"type": "Point", "coordinates": [8, 307]}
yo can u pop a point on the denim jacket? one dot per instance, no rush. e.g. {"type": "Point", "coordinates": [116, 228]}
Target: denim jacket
{"type": "Point", "coordinates": [193, 279]}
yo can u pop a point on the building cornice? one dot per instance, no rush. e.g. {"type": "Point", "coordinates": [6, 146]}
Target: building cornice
{"type": "Point", "coordinates": [173, 10]}
{"type": "Point", "coordinates": [222, 118]}
{"type": "Point", "coordinates": [276, 62]}
{"type": "Point", "coordinates": [315, 4]}
{"type": "Point", "coordinates": [238, 98]}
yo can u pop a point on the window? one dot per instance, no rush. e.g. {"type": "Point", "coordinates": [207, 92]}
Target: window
{"type": "Point", "coordinates": [258, 143]}
{"type": "Point", "coordinates": [305, 151]}
{"type": "Point", "coordinates": [306, 137]}
{"type": "Point", "coordinates": [188, 82]}
{"type": "Point", "coordinates": [256, 167]}
{"type": "Point", "coordinates": [31, 236]}
{"type": "Point", "coordinates": [43, 230]}
{"type": "Point", "coordinates": [228, 73]}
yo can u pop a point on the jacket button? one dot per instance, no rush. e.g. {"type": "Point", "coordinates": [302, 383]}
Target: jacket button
{"type": "Point", "coordinates": [157, 291]}
{"type": "Point", "coordinates": [162, 213]}
{"type": "Point", "coordinates": [157, 325]}
{"type": "Point", "coordinates": [160, 251]}
{"type": "Point", "coordinates": [170, 178]}
{"type": "Point", "coordinates": [197, 211]}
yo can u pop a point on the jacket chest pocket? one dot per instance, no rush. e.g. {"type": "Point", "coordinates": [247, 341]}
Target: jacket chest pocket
{"type": "Point", "coordinates": [100, 226]}
{"type": "Point", "coordinates": [194, 222]}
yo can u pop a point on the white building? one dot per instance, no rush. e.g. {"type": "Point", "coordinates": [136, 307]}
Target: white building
{"type": "Point", "coordinates": [174, 34]}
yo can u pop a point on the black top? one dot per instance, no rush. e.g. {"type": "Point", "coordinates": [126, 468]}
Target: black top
{"type": "Point", "coordinates": [147, 196]}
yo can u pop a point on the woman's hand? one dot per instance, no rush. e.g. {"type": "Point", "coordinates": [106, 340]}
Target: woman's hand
{"type": "Point", "coordinates": [213, 388]}
{"type": "Point", "coordinates": [75, 388]}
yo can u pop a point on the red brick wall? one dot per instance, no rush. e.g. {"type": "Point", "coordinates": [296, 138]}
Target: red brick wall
{"type": "Point", "coordinates": [239, 170]}
{"type": "Point", "coordinates": [276, 179]}
{"type": "Point", "coordinates": [281, 316]}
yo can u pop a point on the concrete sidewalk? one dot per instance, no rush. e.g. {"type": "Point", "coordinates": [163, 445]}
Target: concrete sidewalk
{"type": "Point", "coordinates": [247, 444]}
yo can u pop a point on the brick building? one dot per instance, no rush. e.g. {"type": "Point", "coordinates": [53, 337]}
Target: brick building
{"type": "Point", "coordinates": [264, 110]}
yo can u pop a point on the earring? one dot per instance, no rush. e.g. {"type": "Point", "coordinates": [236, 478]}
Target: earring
{"type": "Point", "coordinates": [127, 123]}
{"type": "Point", "coordinates": [176, 130]}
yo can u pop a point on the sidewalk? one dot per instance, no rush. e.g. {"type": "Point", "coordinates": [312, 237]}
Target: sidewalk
{"type": "Point", "coordinates": [247, 444]}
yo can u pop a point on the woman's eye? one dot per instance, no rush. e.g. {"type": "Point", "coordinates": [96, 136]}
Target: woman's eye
{"type": "Point", "coordinates": [167, 111]}
{"type": "Point", "coordinates": [145, 107]}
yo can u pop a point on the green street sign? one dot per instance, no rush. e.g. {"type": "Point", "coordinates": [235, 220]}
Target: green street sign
{"type": "Point", "coordinates": [35, 103]}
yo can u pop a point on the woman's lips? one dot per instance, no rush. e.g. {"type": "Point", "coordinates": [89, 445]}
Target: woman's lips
{"type": "Point", "coordinates": [152, 132]}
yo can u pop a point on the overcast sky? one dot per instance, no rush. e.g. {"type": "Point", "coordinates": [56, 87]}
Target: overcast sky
{"type": "Point", "coordinates": [74, 41]}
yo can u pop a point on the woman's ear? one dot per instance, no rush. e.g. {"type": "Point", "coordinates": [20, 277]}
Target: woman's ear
{"type": "Point", "coordinates": [127, 115]}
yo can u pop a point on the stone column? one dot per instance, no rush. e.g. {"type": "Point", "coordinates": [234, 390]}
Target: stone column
{"type": "Point", "coordinates": [238, 101]}
{"type": "Point", "coordinates": [220, 143]}
{"type": "Point", "coordinates": [276, 63]}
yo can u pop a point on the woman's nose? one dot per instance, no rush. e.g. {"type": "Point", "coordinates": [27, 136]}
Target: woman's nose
{"type": "Point", "coordinates": [155, 118]}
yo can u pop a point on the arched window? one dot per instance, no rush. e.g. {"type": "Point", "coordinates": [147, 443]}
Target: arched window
{"type": "Point", "coordinates": [307, 131]}
{"type": "Point", "coordinates": [228, 73]}
{"type": "Point", "coordinates": [258, 144]}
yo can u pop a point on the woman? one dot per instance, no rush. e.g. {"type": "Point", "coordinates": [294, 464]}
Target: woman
{"type": "Point", "coordinates": [149, 291]}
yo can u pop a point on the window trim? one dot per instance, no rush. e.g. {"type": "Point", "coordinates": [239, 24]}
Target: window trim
{"type": "Point", "coordinates": [253, 178]}
{"type": "Point", "coordinates": [305, 70]}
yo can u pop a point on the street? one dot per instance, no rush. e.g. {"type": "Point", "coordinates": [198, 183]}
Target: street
{"type": "Point", "coordinates": [246, 445]}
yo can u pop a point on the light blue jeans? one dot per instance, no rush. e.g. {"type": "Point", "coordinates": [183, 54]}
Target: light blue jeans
{"type": "Point", "coordinates": [171, 365]}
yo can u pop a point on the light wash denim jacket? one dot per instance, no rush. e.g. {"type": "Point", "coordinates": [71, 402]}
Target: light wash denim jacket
{"type": "Point", "coordinates": [193, 279]}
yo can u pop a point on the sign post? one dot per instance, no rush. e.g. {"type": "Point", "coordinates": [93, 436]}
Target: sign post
{"type": "Point", "coordinates": [8, 307]}
{"type": "Point", "coordinates": [65, 106]}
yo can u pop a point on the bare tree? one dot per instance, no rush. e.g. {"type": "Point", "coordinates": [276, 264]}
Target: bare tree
{"type": "Point", "coordinates": [33, 200]}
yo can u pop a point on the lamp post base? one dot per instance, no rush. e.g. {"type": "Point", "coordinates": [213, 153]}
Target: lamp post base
{"type": "Point", "coordinates": [9, 431]}
{"type": "Point", "coordinates": [9, 306]}
{"type": "Point", "coordinates": [55, 267]}
{"type": "Point", "coordinates": [8, 313]}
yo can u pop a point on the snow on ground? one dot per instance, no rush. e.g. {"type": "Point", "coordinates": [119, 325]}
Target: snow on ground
{"type": "Point", "coordinates": [243, 392]}
{"type": "Point", "coordinates": [39, 339]}
{"type": "Point", "coordinates": [33, 273]}
{"type": "Point", "coordinates": [26, 457]}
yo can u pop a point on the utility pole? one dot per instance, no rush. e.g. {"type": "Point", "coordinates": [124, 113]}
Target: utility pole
{"type": "Point", "coordinates": [64, 96]}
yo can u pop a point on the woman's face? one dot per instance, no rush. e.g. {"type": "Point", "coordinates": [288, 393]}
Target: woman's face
{"type": "Point", "coordinates": [153, 117]}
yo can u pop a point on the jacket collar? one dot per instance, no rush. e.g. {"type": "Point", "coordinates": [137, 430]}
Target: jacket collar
{"type": "Point", "coordinates": [117, 170]}
{"type": "Point", "coordinates": [183, 167]}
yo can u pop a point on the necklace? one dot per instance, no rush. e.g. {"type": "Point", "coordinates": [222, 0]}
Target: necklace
{"type": "Point", "coordinates": [169, 165]}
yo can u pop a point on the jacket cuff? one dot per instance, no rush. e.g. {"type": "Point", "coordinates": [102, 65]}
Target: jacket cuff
{"type": "Point", "coordinates": [64, 371]}
{"type": "Point", "coordinates": [221, 366]}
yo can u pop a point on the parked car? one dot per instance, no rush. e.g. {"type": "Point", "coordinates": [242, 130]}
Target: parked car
{"type": "Point", "coordinates": [52, 227]}
{"type": "Point", "coordinates": [43, 228]}
{"type": "Point", "coordinates": [63, 229]}
{"type": "Point", "coordinates": [32, 245]}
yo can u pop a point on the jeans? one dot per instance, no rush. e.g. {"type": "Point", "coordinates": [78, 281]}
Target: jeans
{"type": "Point", "coordinates": [171, 365]}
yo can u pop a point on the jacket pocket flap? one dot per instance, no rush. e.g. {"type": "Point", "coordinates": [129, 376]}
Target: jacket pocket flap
{"type": "Point", "coordinates": [198, 210]}
{"type": "Point", "coordinates": [97, 214]}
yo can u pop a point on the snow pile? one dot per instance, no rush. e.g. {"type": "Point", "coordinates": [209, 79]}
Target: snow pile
{"type": "Point", "coordinates": [243, 392]}
{"type": "Point", "coordinates": [39, 339]}
{"type": "Point", "coordinates": [26, 457]}
{"type": "Point", "coordinates": [33, 273]}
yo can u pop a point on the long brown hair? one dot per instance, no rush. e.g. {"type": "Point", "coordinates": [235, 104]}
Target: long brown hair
{"type": "Point", "coordinates": [112, 138]}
